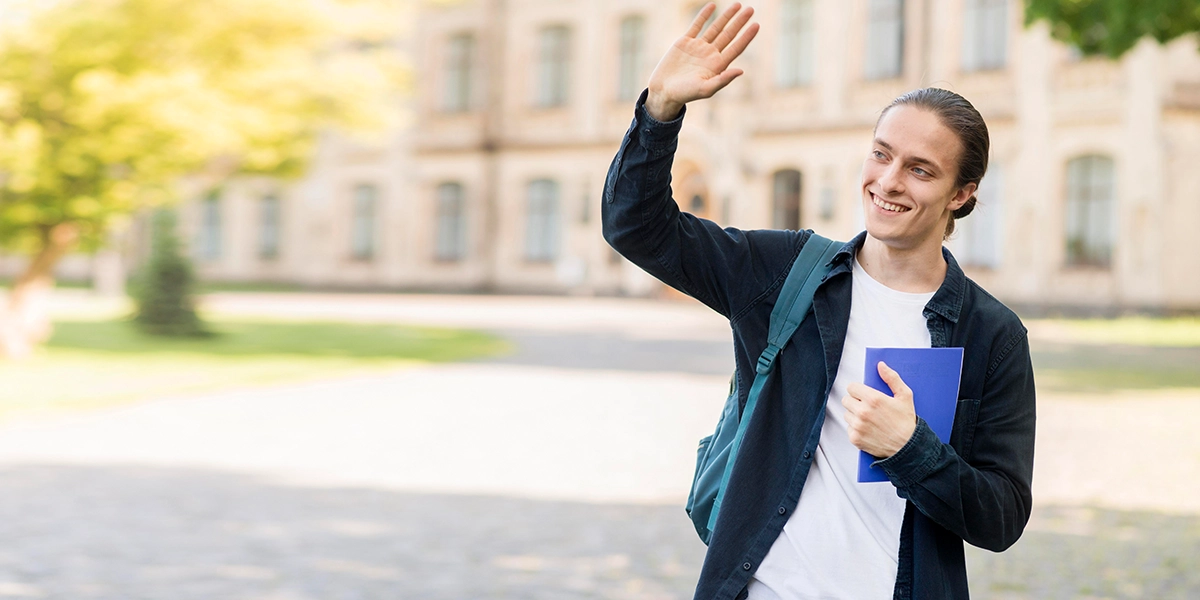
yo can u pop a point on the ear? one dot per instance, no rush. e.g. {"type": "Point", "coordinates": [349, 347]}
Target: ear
{"type": "Point", "coordinates": [960, 198]}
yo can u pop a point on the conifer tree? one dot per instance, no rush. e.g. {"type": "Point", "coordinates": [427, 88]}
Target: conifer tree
{"type": "Point", "coordinates": [164, 290]}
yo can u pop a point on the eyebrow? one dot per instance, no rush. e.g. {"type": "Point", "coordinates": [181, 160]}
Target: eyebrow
{"type": "Point", "coordinates": [914, 159]}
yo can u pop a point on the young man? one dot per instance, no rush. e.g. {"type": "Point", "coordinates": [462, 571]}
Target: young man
{"type": "Point", "coordinates": [795, 524]}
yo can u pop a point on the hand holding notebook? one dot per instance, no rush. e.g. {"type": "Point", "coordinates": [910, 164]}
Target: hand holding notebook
{"type": "Point", "coordinates": [932, 374]}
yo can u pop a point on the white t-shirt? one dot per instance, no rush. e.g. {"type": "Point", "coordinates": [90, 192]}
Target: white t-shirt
{"type": "Point", "coordinates": [843, 539]}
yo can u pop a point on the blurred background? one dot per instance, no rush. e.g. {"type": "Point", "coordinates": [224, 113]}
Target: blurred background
{"type": "Point", "coordinates": [309, 299]}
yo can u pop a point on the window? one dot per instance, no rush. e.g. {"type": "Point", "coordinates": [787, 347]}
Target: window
{"type": "Point", "coordinates": [633, 46]}
{"type": "Point", "coordinates": [541, 225]}
{"type": "Point", "coordinates": [553, 57]}
{"type": "Point", "coordinates": [451, 224]}
{"type": "Point", "coordinates": [1090, 211]}
{"type": "Point", "coordinates": [979, 238]}
{"type": "Point", "coordinates": [985, 35]}
{"type": "Point", "coordinates": [786, 200]}
{"type": "Point", "coordinates": [795, 66]}
{"type": "Point", "coordinates": [460, 56]}
{"type": "Point", "coordinates": [268, 237]}
{"type": "Point", "coordinates": [362, 231]}
{"type": "Point", "coordinates": [209, 243]}
{"type": "Point", "coordinates": [885, 39]}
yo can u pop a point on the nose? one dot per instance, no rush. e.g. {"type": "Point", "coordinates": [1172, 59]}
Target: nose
{"type": "Point", "coordinates": [891, 181]}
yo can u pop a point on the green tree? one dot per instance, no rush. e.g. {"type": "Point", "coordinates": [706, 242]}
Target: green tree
{"type": "Point", "coordinates": [1112, 27]}
{"type": "Point", "coordinates": [106, 104]}
{"type": "Point", "coordinates": [163, 291]}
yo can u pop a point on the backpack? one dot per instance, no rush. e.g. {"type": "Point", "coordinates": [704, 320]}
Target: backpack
{"type": "Point", "coordinates": [717, 453]}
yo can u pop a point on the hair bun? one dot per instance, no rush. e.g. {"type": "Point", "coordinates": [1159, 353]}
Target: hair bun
{"type": "Point", "coordinates": [966, 209]}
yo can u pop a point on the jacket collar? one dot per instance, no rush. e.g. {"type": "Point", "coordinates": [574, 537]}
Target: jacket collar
{"type": "Point", "coordinates": [948, 299]}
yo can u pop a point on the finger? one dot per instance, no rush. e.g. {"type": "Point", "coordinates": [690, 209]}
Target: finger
{"type": "Point", "coordinates": [715, 84]}
{"type": "Point", "coordinates": [892, 378]}
{"type": "Point", "coordinates": [701, 17]}
{"type": "Point", "coordinates": [731, 30]}
{"type": "Point", "coordinates": [715, 29]}
{"type": "Point", "coordinates": [848, 403]}
{"type": "Point", "coordinates": [739, 45]}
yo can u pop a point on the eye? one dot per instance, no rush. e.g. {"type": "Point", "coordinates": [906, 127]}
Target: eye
{"type": "Point", "coordinates": [877, 154]}
{"type": "Point", "coordinates": [921, 172]}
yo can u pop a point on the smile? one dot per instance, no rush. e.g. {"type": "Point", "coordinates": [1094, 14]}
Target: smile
{"type": "Point", "coordinates": [888, 206]}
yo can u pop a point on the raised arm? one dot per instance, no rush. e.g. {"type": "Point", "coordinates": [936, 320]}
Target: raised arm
{"type": "Point", "coordinates": [726, 269]}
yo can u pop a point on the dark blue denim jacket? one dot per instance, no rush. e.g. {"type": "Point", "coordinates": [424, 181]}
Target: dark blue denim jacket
{"type": "Point", "coordinates": [976, 488]}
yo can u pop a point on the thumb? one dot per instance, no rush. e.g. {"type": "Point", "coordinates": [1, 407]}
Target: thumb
{"type": "Point", "coordinates": [892, 378]}
{"type": "Point", "coordinates": [715, 84]}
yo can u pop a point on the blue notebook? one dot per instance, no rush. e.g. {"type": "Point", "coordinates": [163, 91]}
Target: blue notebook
{"type": "Point", "coordinates": [932, 374]}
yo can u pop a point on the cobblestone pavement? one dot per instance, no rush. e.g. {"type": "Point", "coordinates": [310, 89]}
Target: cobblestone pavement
{"type": "Point", "coordinates": [557, 472]}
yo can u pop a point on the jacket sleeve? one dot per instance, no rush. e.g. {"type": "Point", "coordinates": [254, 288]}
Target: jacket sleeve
{"type": "Point", "coordinates": [726, 269]}
{"type": "Point", "coordinates": [987, 500]}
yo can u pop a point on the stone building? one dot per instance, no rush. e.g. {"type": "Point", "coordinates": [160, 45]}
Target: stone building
{"type": "Point", "coordinates": [520, 105]}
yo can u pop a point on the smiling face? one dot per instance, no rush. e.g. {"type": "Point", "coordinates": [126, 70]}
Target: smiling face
{"type": "Point", "coordinates": [908, 179]}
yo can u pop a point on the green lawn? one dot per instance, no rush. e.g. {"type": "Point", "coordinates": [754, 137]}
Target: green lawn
{"type": "Point", "coordinates": [92, 362]}
{"type": "Point", "coordinates": [1100, 356]}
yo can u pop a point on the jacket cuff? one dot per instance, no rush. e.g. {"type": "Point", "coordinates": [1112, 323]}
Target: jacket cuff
{"type": "Point", "coordinates": [653, 134]}
{"type": "Point", "coordinates": [916, 460]}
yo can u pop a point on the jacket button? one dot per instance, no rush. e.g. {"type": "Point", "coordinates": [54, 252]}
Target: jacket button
{"type": "Point", "coordinates": [807, 454]}
{"type": "Point", "coordinates": [745, 566]}
{"type": "Point", "coordinates": [782, 510]}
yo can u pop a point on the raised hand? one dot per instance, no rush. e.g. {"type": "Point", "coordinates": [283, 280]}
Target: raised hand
{"type": "Point", "coordinates": [697, 65]}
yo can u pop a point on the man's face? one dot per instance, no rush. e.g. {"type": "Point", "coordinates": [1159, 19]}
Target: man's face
{"type": "Point", "coordinates": [908, 179]}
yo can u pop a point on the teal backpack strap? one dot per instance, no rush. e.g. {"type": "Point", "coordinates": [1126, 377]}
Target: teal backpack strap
{"type": "Point", "coordinates": [795, 299]}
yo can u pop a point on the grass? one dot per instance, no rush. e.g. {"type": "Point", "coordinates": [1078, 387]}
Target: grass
{"type": "Point", "coordinates": [92, 363]}
{"type": "Point", "coordinates": [1104, 356]}
{"type": "Point", "coordinates": [1179, 332]}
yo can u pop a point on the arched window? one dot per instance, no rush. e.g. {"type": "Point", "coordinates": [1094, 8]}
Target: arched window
{"type": "Point", "coordinates": [1090, 206]}
{"type": "Point", "coordinates": [451, 223]}
{"type": "Point", "coordinates": [631, 79]}
{"type": "Point", "coordinates": [785, 200]}
{"type": "Point", "coordinates": [362, 230]}
{"type": "Point", "coordinates": [541, 222]}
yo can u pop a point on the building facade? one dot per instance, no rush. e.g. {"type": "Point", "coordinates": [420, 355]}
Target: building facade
{"type": "Point", "coordinates": [1090, 199]}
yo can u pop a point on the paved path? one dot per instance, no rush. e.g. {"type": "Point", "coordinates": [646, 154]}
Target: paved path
{"type": "Point", "coordinates": [554, 473]}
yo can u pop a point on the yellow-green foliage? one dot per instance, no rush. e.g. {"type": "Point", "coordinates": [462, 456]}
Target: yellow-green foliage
{"type": "Point", "coordinates": [104, 104]}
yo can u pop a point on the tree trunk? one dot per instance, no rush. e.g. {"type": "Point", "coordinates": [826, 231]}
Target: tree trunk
{"type": "Point", "coordinates": [25, 318]}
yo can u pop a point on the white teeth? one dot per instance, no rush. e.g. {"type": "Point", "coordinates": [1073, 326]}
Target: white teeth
{"type": "Point", "coordinates": [887, 205]}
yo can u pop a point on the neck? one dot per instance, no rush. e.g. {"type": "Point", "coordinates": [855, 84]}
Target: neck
{"type": "Point", "coordinates": [916, 270]}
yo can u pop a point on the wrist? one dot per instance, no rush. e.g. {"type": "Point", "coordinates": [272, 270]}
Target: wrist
{"type": "Point", "coordinates": [662, 109]}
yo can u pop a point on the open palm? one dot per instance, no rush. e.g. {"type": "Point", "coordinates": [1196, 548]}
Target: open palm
{"type": "Point", "coordinates": [697, 65]}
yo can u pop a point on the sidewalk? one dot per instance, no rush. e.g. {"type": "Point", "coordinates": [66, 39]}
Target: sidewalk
{"type": "Point", "coordinates": [558, 472]}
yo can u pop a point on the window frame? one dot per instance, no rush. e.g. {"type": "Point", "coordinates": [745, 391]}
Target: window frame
{"type": "Point", "coordinates": [543, 227]}
{"type": "Point", "coordinates": [210, 230]}
{"type": "Point", "coordinates": [364, 222]}
{"type": "Point", "coordinates": [458, 88]}
{"type": "Point", "coordinates": [270, 226]}
{"type": "Point", "coordinates": [553, 74]}
{"type": "Point", "coordinates": [450, 221]}
{"type": "Point", "coordinates": [885, 17]}
{"type": "Point", "coordinates": [985, 35]}
{"type": "Point", "coordinates": [1090, 211]}
{"type": "Point", "coordinates": [795, 61]}
{"type": "Point", "coordinates": [789, 216]}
